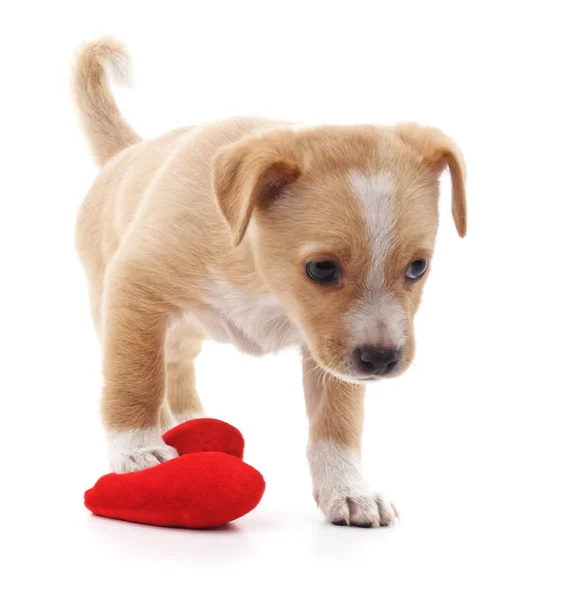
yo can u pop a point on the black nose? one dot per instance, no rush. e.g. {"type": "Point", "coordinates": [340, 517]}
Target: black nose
{"type": "Point", "coordinates": [373, 360]}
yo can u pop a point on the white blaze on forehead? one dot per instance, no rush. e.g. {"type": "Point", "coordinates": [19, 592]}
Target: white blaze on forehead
{"type": "Point", "coordinates": [375, 192]}
{"type": "Point", "coordinates": [377, 318]}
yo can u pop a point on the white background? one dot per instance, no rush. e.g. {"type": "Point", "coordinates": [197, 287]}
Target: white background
{"type": "Point", "coordinates": [471, 444]}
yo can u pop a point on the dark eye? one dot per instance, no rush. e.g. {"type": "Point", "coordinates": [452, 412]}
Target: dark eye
{"type": "Point", "coordinates": [416, 269]}
{"type": "Point", "coordinates": [325, 271]}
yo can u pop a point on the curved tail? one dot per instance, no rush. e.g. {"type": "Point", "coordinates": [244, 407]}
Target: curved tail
{"type": "Point", "coordinates": [106, 129]}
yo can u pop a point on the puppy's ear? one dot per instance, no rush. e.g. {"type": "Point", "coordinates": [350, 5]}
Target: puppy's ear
{"type": "Point", "coordinates": [439, 151]}
{"type": "Point", "coordinates": [249, 175]}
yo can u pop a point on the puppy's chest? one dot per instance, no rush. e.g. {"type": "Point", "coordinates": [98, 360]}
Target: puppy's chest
{"type": "Point", "coordinates": [256, 324]}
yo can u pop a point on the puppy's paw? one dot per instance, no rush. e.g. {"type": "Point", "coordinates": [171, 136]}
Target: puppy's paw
{"type": "Point", "coordinates": [360, 510]}
{"type": "Point", "coordinates": [342, 493]}
{"type": "Point", "coordinates": [136, 450]}
{"type": "Point", "coordinates": [142, 458]}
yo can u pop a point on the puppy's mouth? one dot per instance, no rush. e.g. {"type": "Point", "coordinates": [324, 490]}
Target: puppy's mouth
{"type": "Point", "coordinates": [354, 379]}
{"type": "Point", "coordinates": [361, 379]}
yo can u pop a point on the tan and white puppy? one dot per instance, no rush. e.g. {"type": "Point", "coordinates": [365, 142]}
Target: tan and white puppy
{"type": "Point", "coordinates": [264, 235]}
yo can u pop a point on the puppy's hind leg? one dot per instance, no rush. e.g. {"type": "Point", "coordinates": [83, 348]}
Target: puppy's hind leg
{"type": "Point", "coordinates": [183, 344]}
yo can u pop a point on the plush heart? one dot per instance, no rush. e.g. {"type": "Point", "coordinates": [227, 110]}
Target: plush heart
{"type": "Point", "coordinates": [205, 435]}
{"type": "Point", "coordinates": [207, 486]}
{"type": "Point", "coordinates": [200, 491]}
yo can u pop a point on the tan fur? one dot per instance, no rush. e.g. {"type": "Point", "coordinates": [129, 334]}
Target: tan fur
{"type": "Point", "coordinates": [107, 131]}
{"type": "Point", "coordinates": [183, 344]}
{"type": "Point", "coordinates": [335, 408]}
{"type": "Point", "coordinates": [176, 229]}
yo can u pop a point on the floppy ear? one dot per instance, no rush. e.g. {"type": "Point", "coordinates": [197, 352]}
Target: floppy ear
{"type": "Point", "coordinates": [439, 151]}
{"type": "Point", "coordinates": [250, 174]}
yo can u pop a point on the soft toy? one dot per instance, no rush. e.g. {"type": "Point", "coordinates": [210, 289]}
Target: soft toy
{"type": "Point", "coordinates": [207, 486]}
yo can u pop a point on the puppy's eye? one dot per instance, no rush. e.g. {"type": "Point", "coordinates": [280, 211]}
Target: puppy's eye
{"type": "Point", "coordinates": [325, 271]}
{"type": "Point", "coordinates": [416, 269]}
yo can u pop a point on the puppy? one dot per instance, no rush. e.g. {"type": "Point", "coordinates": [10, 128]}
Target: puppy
{"type": "Point", "coordinates": [265, 235]}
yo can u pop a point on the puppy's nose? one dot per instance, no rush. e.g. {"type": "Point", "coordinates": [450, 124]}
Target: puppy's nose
{"type": "Point", "coordinates": [373, 360]}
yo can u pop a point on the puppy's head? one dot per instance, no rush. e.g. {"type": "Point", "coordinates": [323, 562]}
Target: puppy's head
{"type": "Point", "coordinates": [342, 224]}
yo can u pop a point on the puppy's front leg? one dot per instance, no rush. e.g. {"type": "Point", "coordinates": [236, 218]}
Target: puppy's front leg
{"type": "Point", "coordinates": [134, 373]}
{"type": "Point", "coordinates": [335, 413]}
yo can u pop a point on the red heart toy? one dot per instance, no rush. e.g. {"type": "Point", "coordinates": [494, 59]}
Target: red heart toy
{"type": "Point", "coordinates": [206, 435]}
{"type": "Point", "coordinates": [199, 489]}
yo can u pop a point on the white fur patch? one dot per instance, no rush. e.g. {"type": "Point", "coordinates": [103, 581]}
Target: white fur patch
{"type": "Point", "coordinates": [376, 194]}
{"type": "Point", "coordinates": [254, 323]}
{"type": "Point", "coordinates": [340, 490]}
{"type": "Point", "coordinates": [137, 449]}
{"type": "Point", "coordinates": [377, 319]}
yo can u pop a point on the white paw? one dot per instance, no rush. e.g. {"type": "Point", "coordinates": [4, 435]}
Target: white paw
{"type": "Point", "coordinates": [142, 458]}
{"type": "Point", "coordinates": [360, 510]}
{"type": "Point", "coordinates": [136, 450]}
{"type": "Point", "coordinates": [342, 493]}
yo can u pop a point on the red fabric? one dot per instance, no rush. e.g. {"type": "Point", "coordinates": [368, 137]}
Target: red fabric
{"type": "Point", "coordinates": [198, 490]}
{"type": "Point", "coordinates": [206, 435]}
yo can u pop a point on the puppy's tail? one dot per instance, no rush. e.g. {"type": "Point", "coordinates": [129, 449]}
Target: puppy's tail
{"type": "Point", "coordinates": [106, 129]}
